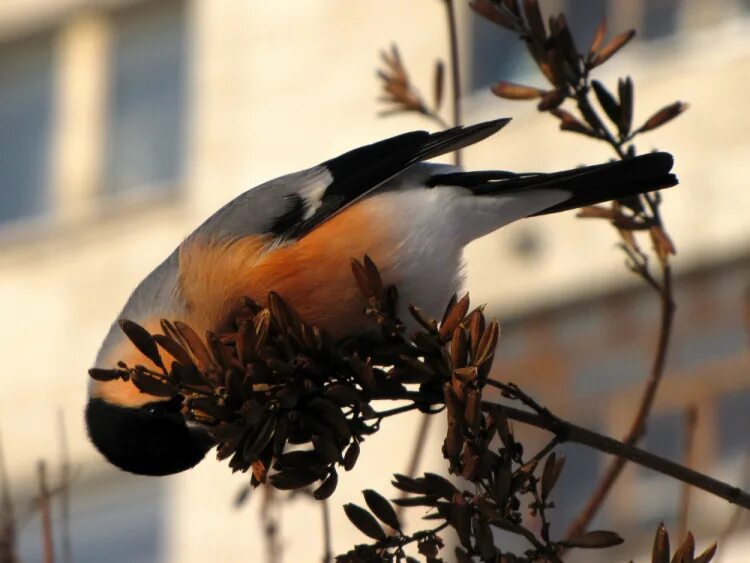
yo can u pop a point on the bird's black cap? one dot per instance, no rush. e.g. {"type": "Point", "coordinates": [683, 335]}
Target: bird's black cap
{"type": "Point", "coordinates": [153, 439]}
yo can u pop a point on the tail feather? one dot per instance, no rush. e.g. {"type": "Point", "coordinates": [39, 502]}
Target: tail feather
{"type": "Point", "coordinates": [587, 185]}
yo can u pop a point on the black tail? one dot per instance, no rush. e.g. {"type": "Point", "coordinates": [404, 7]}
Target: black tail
{"type": "Point", "coordinates": [587, 185]}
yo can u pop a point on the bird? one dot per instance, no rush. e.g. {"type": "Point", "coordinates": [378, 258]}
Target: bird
{"type": "Point", "coordinates": [296, 235]}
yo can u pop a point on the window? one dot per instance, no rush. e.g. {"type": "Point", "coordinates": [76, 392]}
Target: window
{"type": "Point", "coordinates": [660, 18]}
{"type": "Point", "coordinates": [658, 495]}
{"type": "Point", "coordinates": [496, 54]}
{"type": "Point", "coordinates": [146, 126]}
{"type": "Point", "coordinates": [584, 16]}
{"type": "Point", "coordinates": [119, 519]}
{"type": "Point", "coordinates": [26, 77]}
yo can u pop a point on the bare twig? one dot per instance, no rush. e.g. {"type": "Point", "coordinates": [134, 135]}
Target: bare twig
{"type": "Point", "coordinates": [7, 517]}
{"type": "Point", "coordinates": [65, 478]}
{"type": "Point", "coordinates": [270, 525]}
{"type": "Point", "coordinates": [43, 502]}
{"type": "Point", "coordinates": [416, 454]}
{"type": "Point", "coordinates": [327, 543]}
{"type": "Point", "coordinates": [569, 432]}
{"type": "Point", "coordinates": [638, 426]}
{"type": "Point", "coordinates": [736, 518]}
{"type": "Point", "coordinates": [455, 70]}
{"type": "Point", "coordinates": [691, 424]}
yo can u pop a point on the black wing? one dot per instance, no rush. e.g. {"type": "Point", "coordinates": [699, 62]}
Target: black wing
{"type": "Point", "coordinates": [357, 172]}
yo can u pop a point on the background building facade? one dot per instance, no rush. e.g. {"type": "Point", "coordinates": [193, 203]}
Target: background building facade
{"type": "Point", "coordinates": [124, 123]}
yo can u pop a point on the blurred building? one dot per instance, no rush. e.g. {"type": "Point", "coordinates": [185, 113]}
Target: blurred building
{"type": "Point", "coordinates": [124, 123]}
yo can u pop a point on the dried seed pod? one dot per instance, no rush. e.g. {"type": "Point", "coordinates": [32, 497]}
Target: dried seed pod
{"type": "Point", "coordinates": [665, 114]}
{"type": "Point", "coordinates": [142, 340]}
{"type": "Point", "coordinates": [430, 325]}
{"type": "Point", "coordinates": [351, 455]}
{"type": "Point", "coordinates": [152, 384]}
{"type": "Point", "coordinates": [625, 94]}
{"type": "Point", "coordinates": [686, 552]}
{"type": "Point", "coordinates": [551, 473]}
{"type": "Point", "coordinates": [569, 123]}
{"type": "Point", "coordinates": [364, 521]}
{"type": "Point", "coordinates": [495, 13]}
{"type": "Point", "coordinates": [617, 43]}
{"type": "Point", "coordinates": [473, 410]}
{"type": "Point", "coordinates": [551, 100]}
{"type": "Point", "coordinates": [607, 101]}
{"type": "Point", "coordinates": [459, 348]}
{"type": "Point", "coordinates": [173, 348]}
{"type": "Point", "coordinates": [661, 549]}
{"type": "Point", "coordinates": [100, 374]}
{"type": "Point", "coordinates": [194, 344]}
{"type": "Point", "coordinates": [707, 555]}
{"type": "Point", "coordinates": [293, 479]}
{"type": "Point", "coordinates": [438, 82]}
{"type": "Point", "coordinates": [453, 317]}
{"type": "Point", "coordinates": [595, 539]}
{"type": "Point", "coordinates": [328, 487]}
{"type": "Point", "coordinates": [381, 508]}
{"type": "Point", "coordinates": [513, 91]}
{"type": "Point", "coordinates": [599, 34]}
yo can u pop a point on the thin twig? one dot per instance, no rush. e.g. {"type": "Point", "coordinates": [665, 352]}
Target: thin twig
{"type": "Point", "coordinates": [65, 476]}
{"type": "Point", "coordinates": [691, 424]}
{"type": "Point", "coordinates": [737, 514]}
{"type": "Point", "coordinates": [638, 426]}
{"type": "Point", "coordinates": [270, 525]}
{"type": "Point", "coordinates": [7, 517]}
{"type": "Point", "coordinates": [569, 432]}
{"type": "Point", "coordinates": [416, 456]}
{"type": "Point", "coordinates": [327, 543]}
{"type": "Point", "coordinates": [455, 70]}
{"type": "Point", "coordinates": [43, 502]}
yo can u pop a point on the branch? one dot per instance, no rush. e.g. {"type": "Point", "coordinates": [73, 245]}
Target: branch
{"type": "Point", "coordinates": [568, 432]}
{"type": "Point", "coordinates": [455, 71]}
{"type": "Point", "coordinates": [638, 425]}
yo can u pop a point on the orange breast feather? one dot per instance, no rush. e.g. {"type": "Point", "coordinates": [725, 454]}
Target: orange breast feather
{"type": "Point", "coordinates": [312, 274]}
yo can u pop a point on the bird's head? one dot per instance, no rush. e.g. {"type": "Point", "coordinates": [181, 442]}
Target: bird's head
{"type": "Point", "coordinates": [148, 438]}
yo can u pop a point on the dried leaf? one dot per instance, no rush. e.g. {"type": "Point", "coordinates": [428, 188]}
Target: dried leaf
{"type": "Point", "coordinates": [142, 340]}
{"type": "Point", "coordinates": [617, 43]}
{"type": "Point", "coordinates": [513, 91]}
{"type": "Point", "coordinates": [381, 508]}
{"type": "Point", "coordinates": [364, 521]}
